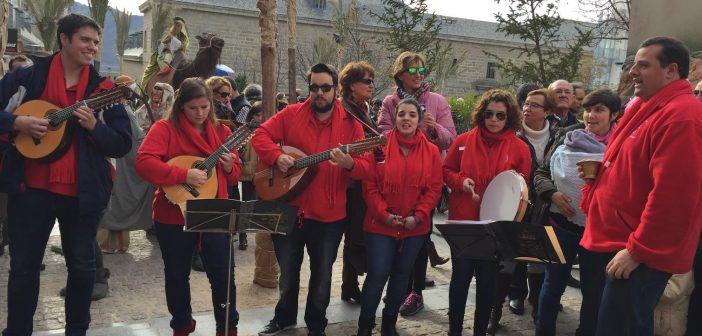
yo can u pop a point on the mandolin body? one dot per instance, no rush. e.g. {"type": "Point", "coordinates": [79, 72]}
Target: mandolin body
{"type": "Point", "coordinates": [54, 143]}
{"type": "Point", "coordinates": [272, 184]}
{"type": "Point", "coordinates": [177, 194]}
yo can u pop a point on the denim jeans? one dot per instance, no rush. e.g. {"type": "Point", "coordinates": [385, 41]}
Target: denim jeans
{"type": "Point", "coordinates": [388, 258]}
{"type": "Point", "coordinates": [322, 241]}
{"type": "Point", "coordinates": [31, 216]}
{"type": "Point", "coordinates": [461, 276]}
{"type": "Point", "coordinates": [177, 248]}
{"type": "Point", "coordinates": [627, 305]}
{"type": "Point", "coordinates": [555, 281]}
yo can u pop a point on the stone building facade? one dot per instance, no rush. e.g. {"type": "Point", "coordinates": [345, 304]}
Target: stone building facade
{"type": "Point", "coordinates": [237, 22]}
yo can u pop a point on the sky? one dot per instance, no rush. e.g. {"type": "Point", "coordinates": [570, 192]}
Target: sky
{"type": "Point", "coordinates": [470, 9]}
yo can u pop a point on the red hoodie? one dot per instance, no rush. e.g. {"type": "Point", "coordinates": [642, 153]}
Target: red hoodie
{"type": "Point", "coordinates": [164, 142]}
{"type": "Point", "coordinates": [297, 125]}
{"type": "Point", "coordinates": [648, 199]}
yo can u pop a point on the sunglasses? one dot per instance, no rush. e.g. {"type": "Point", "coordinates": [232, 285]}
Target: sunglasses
{"type": "Point", "coordinates": [367, 81]}
{"type": "Point", "coordinates": [414, 70]}
{"type": "Point", "coordinates": [501, 116]}
{"type": "Point", "coordinates": [325, 88]}
{"type": "Point", "coordinates": [223, 94]}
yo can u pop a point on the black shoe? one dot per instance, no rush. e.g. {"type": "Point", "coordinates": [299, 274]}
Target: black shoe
{"type": "Point", "coordinates": [243, 243]}
{"type": "Point", "coordinates": [273, 328]}
{"type": "Point", "coordinates": [197, 263]}
{"type": "Point", "coordinates": [351, 295]}
{"type": "Point", "coordinates": [365, 327]}
{"type": "Point", "coordinates": [573, 282]}
{"type": "Point", "coordinates": [2, 250]}
{"type": "Point", "coordinates": [495, 317]}
{"type": "Point", "coordinates": [516, 306]}
{"type": "Point", "coordinates": [100, 291]}
{"type": "Point", "coordinates": [388, 326]}
{"type": "Point", "coordinates": [429, 282]}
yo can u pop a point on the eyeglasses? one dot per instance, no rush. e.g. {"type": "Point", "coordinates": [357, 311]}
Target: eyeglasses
{"type": "Point", "coordinates": [487, 114]}
{"type": "Point", "coordinates": [532, 106]}
{"type": "Point", "coordinates": [325, 88]}
{"type": "Point", "coordinates": [224, 94]}
{"type": "Point", "coordinates": [414, 70]}
{"type": "Point", "coordinates": [367, 81]}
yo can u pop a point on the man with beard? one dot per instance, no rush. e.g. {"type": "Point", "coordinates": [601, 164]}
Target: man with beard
{"type": "Point", "coordinates": [313, 126]}
{"type": "Point", "coordinates": [566, 95]}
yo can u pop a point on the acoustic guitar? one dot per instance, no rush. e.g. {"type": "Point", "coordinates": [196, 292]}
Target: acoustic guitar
{"type": "Point", "coordinates": [179, 193]}
{"type": "Point", "coordinates": [273, 184]}
{"type": "Point", "coordinates": [60, 132]}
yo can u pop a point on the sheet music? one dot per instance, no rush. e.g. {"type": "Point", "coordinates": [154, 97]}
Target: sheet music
{"type": "Point", "coordinates": [470, 222]}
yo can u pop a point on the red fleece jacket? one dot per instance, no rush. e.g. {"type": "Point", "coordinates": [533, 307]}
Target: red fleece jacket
{"type": "Point", "coordinates": [649, 199]}
{"type": "Point", "coordinates": [324, 200]}
{"type": "Point", "coordinates": [164, 142]}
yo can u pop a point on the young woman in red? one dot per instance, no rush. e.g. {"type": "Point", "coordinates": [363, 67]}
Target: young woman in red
{"type": "Point", "coordinates": [400, 193]}
{"type": "Point", "coordinates": [473, 160]}
{"type": "Point", "coordinates": [189, 130]}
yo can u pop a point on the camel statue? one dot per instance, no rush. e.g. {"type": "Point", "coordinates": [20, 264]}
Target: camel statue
{"type": "Point", "coordinates": [208, 54]}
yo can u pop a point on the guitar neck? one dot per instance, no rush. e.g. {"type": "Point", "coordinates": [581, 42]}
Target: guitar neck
{"type": "Point", "coordinates": [237, 139]}
{"type": "Point", "coordinates": [100, 101]}
{"type": "Point", "coordinates": [353, 148]}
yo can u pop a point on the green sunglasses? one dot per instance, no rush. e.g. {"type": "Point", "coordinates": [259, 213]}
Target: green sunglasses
{"type": "Point", "coordinates": [414, 70]}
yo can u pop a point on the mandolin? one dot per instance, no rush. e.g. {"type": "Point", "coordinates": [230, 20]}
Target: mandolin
{"type": "Point", "coordinates": [273, 184]}
{"type": "Point", "coordinates": [60, 132]}
{"type": "Point", "coordinates": [179, 193]}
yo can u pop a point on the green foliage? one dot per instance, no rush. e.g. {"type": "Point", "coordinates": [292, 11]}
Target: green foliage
{"type": "Point", "coordinates": [161, 17]}
{"type": "Point", "coordinates": [98, 11]}
{"type": "Point", "coordinates": [412, 28]}
{"type": "Point", "coordinates": [241, 82]}
{"type": "Point", "coordinates": [123, 20]}
{"type": "Point", "coordinates": [46, 14]}
{"type": "Point", "coordinates": [462, 110]}
{"type": "Point", "coordinates": [548, 53]}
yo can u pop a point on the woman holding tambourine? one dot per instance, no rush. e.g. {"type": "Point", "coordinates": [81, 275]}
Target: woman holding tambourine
{"type": "Point", "coordinates": [473, 160]}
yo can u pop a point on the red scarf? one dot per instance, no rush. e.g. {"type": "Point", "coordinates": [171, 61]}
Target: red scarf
{"type": "Point", "coordinates": [206, 145]}
{"type": "Point", "coordinates": [486, 154]}
{"type": "Point", "coordinates": [419, 161]}
{"type": "Point", "coordinates": [638, 112]}
{"type": "Point", "coordinates": [309, 117]}
{"type": "Point", "coordinates": [64, 169]}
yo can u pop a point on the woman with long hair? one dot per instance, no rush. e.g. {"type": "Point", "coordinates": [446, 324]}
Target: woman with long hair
{"type": "Point", "coordinates": [190, 129]}
{"type": "Point", "coordinates": [401, 192]}
{"type": "Point", "coordinates": [473, 160]}
{"type": "Point", "coordinates": [409, 72]}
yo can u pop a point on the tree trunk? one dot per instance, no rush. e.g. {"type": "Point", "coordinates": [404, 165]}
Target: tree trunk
{"type": "Point", "coordinates": [292, 47]}
{"type": "Point", "coordinates": [4, 9]}
{"type": "Point", "coordinates": [267, 22]}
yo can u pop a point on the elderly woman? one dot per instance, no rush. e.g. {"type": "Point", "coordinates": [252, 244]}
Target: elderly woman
{"type": "Point", "coordinates": [473, 160]}
{"type": "Point", "coordinates": [159, 105]}
{"type": "Point", "coordinates": [557, 180]}
{"type": "Point", "coordinates": [401, 192]}
{"type": "Point", "coordinates": [409, 72]}
{"type": "Point", "coordinates": [357, 80]}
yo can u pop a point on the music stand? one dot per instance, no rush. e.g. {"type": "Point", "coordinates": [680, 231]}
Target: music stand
{"type": "Point", "coordinates": [511, 240]}
{"type": "Point", "coordinates": [232, 216]}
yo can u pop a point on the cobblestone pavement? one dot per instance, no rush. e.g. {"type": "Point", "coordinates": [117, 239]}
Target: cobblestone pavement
{"type": "Point", "coordinates": [136, 292]}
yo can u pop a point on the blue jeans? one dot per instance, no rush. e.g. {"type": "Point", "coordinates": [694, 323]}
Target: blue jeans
{"type": "Point", "coordinates": [31, 216]}
{"type": "Point", "coordinates": [388, 258]}
{"type": "Point", "coordinates": [322, 241]}
{"type": "Point", "coordinates": [627, 305]}
{"type": "Point", "coordinates": [177, 248]}
{"type": "Point", "coordinates": [461, 276]}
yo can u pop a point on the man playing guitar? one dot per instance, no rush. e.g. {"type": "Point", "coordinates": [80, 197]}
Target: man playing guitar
{"type": "Point", "coordinates": [74, 188]}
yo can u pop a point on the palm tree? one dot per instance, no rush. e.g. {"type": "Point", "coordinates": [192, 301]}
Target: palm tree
{"type": "Point", "coordinates": [292, 47]}
{"type": "Point", "coordinates": [123, 20]}
{"type": "Point", "coordinates": [98, 11]}
{"type": "Point", "coordinates": [46, 14]}
{"type": "Point", "coordinates": [4, 9]}
{"type": "Point", "coordinates": [267, 22]}
{"type": "Point", "coordinates": [161, 16]}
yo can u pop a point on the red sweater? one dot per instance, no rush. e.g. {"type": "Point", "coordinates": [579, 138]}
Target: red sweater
{"type": "Point", "coordinates": [296, 125]}
{"type": "Point", "coordinates": [409, 200]}
{"type": "Point", "coordinates": [164, 142]}
{"type": "Point", "coordinates": [649, 200]}
{"type": "Point", "coordinates": [516, 156]}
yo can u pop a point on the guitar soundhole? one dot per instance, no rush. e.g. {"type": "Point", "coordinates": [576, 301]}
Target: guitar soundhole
{"type": "Point", "coordinates": [53, 125]}
{"type": "Point", "coordinates": [199, 165]}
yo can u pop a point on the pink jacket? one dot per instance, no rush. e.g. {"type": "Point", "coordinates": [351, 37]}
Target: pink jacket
{"type": "Point", "coordinates": [434, 104]}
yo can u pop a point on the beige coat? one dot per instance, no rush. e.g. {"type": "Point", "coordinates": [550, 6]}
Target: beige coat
{"type": "Point", "coordinates": [670, 316]}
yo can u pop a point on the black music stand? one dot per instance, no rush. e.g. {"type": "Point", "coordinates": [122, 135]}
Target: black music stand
{"type": "Point", "coordinates": [232, 216]}
{"type": "Point", "coordinates": [510, 240]}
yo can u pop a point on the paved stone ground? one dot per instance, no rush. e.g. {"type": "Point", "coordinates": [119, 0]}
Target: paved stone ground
{"type": "Point", "coordinates": [136, 293]}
